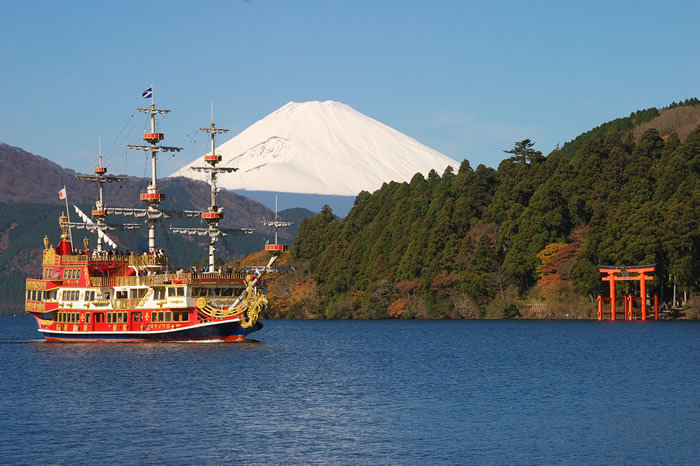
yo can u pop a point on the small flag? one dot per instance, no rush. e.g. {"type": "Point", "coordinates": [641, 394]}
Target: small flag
{"type": "Point", "coordinates": [62, 194]}
{"type": "Point", "coordinates": [148, 93]}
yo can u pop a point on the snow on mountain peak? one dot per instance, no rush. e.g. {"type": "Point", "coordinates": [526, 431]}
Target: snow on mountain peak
{"type": "Point", "coordinates": [320, 148]}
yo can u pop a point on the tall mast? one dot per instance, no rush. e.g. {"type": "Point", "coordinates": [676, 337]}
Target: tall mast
{"type": "Point", "coordinates": [152, 197]}
{"type": "Point", "coordinates": [277, 223]}
{"type": "Point", "coordinates": [100, 212]}
{"type": "Point", "coordinates": [214, 214]}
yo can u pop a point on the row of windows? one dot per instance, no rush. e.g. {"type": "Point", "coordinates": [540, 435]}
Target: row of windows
{"type": "Point", "coordinates": [159, 293]}
{"type": "Point", "coordinates": [68, 274]}
{"type": "Point", "coordinates": [35, 295]}
{"type": "Point", "coordinates": [167, 316]}
{"type": "Point", "coordinates": [70, 317]}
{"type": "Point", "coordinates": [122, 317]}
{"type": "Point", "coordinates": [74, 295]}
{"type": "Point", "coordinates": [40, 295]}
{"type": "Point", "coordinates": [117, 317]}
{"type": "Point", "coordinates": [212, 292]}
{"type": "Point", "coordinates": [70, 295]}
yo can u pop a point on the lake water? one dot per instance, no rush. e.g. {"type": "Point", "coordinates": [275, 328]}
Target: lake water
{"type": "Point", "coordinates": [487, 392]}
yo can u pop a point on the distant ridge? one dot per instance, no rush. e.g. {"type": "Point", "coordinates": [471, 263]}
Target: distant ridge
{"type": "Point", "coordinates": [321, 148]}
{"type": "Point", "coordinates": [29, 178]}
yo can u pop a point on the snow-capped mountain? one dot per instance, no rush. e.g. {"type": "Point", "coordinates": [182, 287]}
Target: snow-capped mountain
{"type": "Point", "coordinates": [320, 148]}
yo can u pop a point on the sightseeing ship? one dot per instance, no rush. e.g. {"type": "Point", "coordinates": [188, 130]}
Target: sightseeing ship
{"type": "Point", "coordinates": [102, 295]}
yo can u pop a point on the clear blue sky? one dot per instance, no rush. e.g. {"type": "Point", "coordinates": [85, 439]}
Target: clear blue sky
{"type": "Point", "coordinates": [466, 78]}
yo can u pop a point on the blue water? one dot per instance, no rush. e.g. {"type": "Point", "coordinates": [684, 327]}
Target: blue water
{"type": "Point", "coordinates": [360, 392]}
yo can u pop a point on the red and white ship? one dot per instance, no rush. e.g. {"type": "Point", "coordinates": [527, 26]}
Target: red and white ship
{"type": "Point", "coordinates": [98, 295]}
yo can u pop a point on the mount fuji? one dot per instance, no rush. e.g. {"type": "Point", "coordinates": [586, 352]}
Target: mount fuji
{"type": "Point", "coordinates": [325, 148]}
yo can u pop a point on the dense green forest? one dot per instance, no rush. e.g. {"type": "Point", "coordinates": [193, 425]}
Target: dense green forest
{"type": "Point", "coordinates": [523, 239]}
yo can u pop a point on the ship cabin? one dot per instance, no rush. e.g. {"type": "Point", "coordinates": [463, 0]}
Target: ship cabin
{"type": "Point", "coordinates": [90, 291]}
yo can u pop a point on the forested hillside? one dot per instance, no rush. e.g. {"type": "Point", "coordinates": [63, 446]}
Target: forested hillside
{"type": "Point", "coordinates": [523, 239]}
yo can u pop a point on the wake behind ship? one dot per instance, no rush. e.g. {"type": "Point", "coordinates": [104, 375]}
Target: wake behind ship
{"type": "Point", "coordinates": [100, 295]}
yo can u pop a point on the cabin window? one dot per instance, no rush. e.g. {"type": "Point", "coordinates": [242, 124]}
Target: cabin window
{"type": "Point", "coordinates": [77, 273]}
{"type": "Point", "coordinates": [121, 294]}
{"type": "Point", "coordinates": [137, 317]}
{"type": "Point", "coordinates": [160, 316]}
{"type": "Point", "coordinates": [180, 291]}
{"type": "Point", "coordinates": [184, 316]}
{"type": "Point", "coordinates": [158, 293]}
{"type": "Point", "coordinates": [171, 291]}
{"type": "Point", "coordinates": [168, 316]}
{"type": "Point", "coordinates": [87, 317]}
{"type": "Point", "coordinates": [227, 292]}
{"type": "Point", "coordinates": [99, 317]}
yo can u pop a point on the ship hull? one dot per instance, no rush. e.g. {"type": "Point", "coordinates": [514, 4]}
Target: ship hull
{"type": "Point", "coordinates": [227, 331]}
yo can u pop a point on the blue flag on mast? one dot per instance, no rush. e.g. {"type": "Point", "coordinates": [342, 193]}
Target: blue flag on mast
{"type": "Point", "coordinates": [148, 93]}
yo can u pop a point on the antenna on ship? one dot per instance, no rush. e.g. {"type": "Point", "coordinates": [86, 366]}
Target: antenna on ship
{"type": "Point", "coordinates": [152, 197]}
{"type": "Point", "coordinates": [214, 213]}
{"type": "Point", "coordinates": [277, 223]}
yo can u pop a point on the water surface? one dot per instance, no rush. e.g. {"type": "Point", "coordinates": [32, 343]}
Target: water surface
{"type": "Point", "coordinates": [527, 392]}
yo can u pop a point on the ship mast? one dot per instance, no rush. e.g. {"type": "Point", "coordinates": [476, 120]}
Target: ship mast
{"type": "Point", "coordinates": [277, 223]}
{"type": "Point", "coordinates": [214, 214]}
{"type": "Point", "coordinates": [152, 197]}
{"type": "Point", "coordinates": [100, 212]}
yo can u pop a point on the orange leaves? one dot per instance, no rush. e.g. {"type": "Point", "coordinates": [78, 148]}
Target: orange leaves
{"type": "Point", "coordinates": [557, 259]}
{"type": "Point", "coordinates": [397, 308]}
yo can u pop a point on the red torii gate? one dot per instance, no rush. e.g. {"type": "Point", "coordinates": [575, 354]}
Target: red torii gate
{"type": "Point", "coordinates": [622, 273]}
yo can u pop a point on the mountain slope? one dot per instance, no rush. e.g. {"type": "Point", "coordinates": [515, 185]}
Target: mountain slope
{"type": "Point", "coordinates": [321, 148]}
